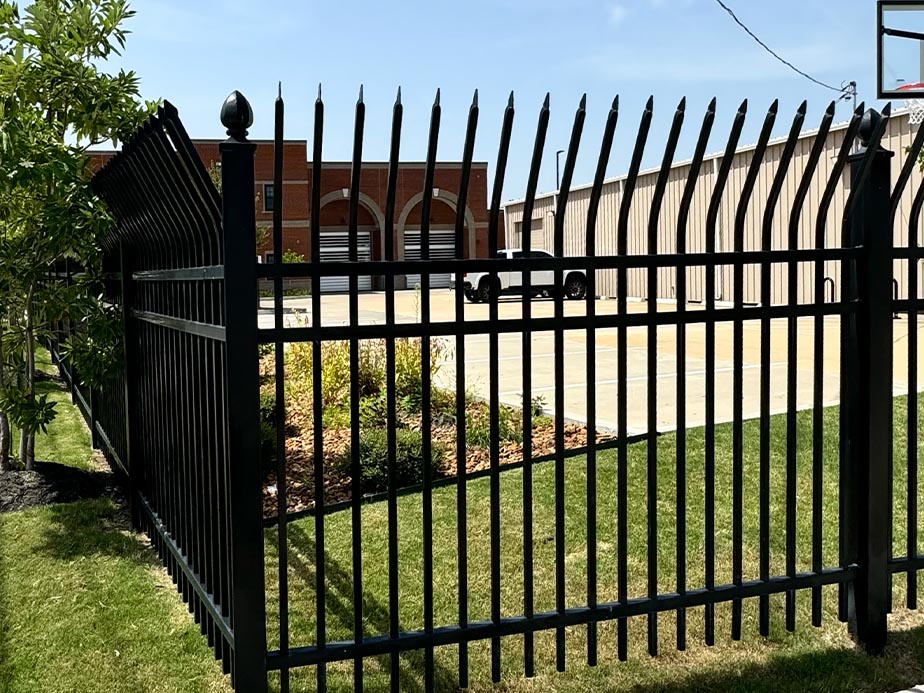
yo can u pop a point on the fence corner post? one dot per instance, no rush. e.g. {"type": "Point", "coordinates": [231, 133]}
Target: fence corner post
{"type": "Point", "coordinates": [242, 392]}
{"type": "Point", "coordinates": [870, 399]}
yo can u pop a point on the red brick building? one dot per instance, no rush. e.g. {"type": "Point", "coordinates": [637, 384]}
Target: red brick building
{"type": "Point", "coordinates": [335, 184]}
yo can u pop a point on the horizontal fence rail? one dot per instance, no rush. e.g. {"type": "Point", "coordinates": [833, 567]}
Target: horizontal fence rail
{"type": "Point", "coordinates": [514, 569]}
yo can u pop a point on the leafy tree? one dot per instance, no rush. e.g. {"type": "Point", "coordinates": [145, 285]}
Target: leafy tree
{"type": "Point", "coordinates": [56, 101]}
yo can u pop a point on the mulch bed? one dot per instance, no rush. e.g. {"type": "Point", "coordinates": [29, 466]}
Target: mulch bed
{"type": "Point", "coordinates": [300, 461]}
{"type": "Point", "coordinates": [51, 483]}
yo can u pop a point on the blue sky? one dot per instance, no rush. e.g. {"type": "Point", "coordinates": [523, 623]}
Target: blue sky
{"type": "Point", "coordinates": [195, 53]}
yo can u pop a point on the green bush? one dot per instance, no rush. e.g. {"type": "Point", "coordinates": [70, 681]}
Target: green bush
{"type": "Point", "coordinates": [373, 458]}
{"type": "Point", "coordinates": [372, 364]}
{"type": "Point", "coordinates": [478, 425]}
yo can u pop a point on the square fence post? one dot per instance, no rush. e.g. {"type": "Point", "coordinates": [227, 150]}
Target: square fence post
{"type": "Point", "coordinates": [242, 388]}
{"type": "Point", "coordinates": [869, 394]}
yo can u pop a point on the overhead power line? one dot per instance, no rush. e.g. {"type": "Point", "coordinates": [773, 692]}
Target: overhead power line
{"type": "Point", "coordinates": [776, 55]}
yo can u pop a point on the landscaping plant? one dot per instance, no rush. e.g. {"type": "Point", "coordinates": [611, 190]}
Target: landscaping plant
{"type": "Point", "coordinates": [56, 101]}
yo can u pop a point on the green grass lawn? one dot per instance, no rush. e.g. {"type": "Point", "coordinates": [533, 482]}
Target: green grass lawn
{"type": "Point", "coordinates": [808, 659]}
{"type": "Point", "coordinates": [69, 440]}
{"type": "Point", "coordinates": [85, 606]}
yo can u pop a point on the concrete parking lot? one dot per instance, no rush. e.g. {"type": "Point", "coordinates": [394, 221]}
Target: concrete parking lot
{"type": "Point", "coordinates": [542, 363]}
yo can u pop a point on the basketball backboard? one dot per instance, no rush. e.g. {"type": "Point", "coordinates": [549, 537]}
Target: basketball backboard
{"type": "Point", "coordinates": [900, 39]}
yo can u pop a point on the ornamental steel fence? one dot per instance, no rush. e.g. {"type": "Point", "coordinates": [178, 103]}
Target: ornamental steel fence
{"type": "Point", "coordinates": [183, 420]}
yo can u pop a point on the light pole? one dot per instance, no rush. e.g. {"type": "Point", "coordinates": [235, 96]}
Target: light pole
{"type": "Point", "coordinates": [557, 174]}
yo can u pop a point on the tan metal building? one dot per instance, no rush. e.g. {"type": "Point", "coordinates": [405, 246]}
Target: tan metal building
{"type": "Point", "coordinates": [897, 138]}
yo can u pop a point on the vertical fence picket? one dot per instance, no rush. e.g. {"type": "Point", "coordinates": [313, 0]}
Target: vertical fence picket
{"type": "Point", "coordinates": [818, 370]}
{"type": "Point", "coordinates": [712, 215]}
{"type": "Point", "coordinates": [766, 275]}
{"type": "Point", "coordinates": [738, 385]}
{"type": "Point", "coordinates": [795, 216]}
{"type": "Point", "coordinates": [590, 247]}
{"type": "Point", "coordinates": [494, 405]}
{"type": "Point", "coordinates": [468, 152]}
{"type": "Point", "coordinates": [394, 625]}
{"type": "Point", "coordinates": [622, 463]}
{"type": "Point", "coordinates": [559, 337]}
{"type": "Point", "coordinates": [652, 370]}
{"type": "Point", "coordinates": [681, 359]}
{"type": "Point", "coordinates": [320, 555]}
{"type": "Point", "coordinates": [527, 348]}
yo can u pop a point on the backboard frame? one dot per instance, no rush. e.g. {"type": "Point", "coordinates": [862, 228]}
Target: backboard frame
{"type": "Point", "coordinates": [881, 7]}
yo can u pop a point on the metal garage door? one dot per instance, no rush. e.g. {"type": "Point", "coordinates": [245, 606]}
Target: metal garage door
{"type": "Point", "coordinates": [442, 247]}
{"type": "Point", "coordinates": [335, 247]}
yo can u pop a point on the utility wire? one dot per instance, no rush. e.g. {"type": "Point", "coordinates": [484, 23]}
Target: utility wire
{"type": "Point", "coordinates": [776, 55]}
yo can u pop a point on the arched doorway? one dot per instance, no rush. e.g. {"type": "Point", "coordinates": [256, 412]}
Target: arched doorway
{"type": "Point", "coordinates": [335, 237]}
{"type": "Point", "coordinates": [442, 245]}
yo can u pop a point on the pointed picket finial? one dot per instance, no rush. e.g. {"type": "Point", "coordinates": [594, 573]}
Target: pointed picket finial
{"type": "Point", "coordinates": [583, 105]}
{"type": "Point", "coordinates": [545, 104]}
{"type": "Point", "coordinates": [236, 116]}
{"type": "Point", "coordinates": [743, 108]}
{"type": "Point", "coordinates": [774, 107]}
{"type": "Point", "coordinates": [398, 98]}
{"type": "Point", "coordinates": [436, 101]}
{"type": "Point", "coordinates": [319, 92]}
{"type": "Point", "coordinates": [279, 95]}
{"type": "Point", "coordinates": [711, 107]}
{"type": "Point", "coordinates": [360, 99]}
{"type": "Point", "coordinates": [803, 107]}
{"type": "Point", "coordinates": [615, 104]}
{"type": "Point", "coordinates": [682, 106]}
{"type": "Point", "coordinates": [650, 105]}
{"type": "Point", "coordinates": [475, 99]}
{"type": "Point", "coordinates": [831, 108]}
{"type": "Point", "coordinates": [510, 100]}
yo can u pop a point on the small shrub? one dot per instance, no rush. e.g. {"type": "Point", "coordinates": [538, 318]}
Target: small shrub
{"type": "Point", "coordinates": [267, 430]}
{"type": "Point", "coordinates": [409, 371]}
{"type": "Point", "coordinates": [373, 458]}
{"type": "Point", "coordinates": [478, 425]}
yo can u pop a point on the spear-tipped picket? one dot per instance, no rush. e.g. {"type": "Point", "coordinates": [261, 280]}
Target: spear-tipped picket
{"type": "Point", "coordinates": [622, 461]}
{"type": "Point", "coordinates": [468, 151]}
{"type": "Point", "coordinates": [738, 378]}
{"type": "Point", "coordinates": [426, 412]}
{"type": "Point", "coordinates": [355, 462]}
{"type": "Point", "coordinates": [808, 175]}
{"type": "Point", "coordinates": [528, 583]}
{"type": "Point", "coordinates": [559, 368]}
{"type": "Point", "coordinates": [593, 207]}
{"type": "Point", "coordinates": [681, 436]}
{"type": "Point", "coordinates": [391, 401]}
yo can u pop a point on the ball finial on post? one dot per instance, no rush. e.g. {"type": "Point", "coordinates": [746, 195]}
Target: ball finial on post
{"type": "Point", "coordinates": [236, 116]}
{"type": "Point", "coordinates": [868, 126]}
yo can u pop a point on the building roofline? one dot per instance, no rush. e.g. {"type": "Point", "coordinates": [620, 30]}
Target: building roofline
{"type": "Point", "coordinates": [805, 134]}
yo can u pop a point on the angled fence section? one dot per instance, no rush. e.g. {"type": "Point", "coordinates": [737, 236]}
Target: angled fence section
{"type": "Point", "coordinates": [178, 421]}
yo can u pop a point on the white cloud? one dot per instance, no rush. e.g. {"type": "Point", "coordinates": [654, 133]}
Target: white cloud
{"type": "Point", "coordinates": [617, 14]}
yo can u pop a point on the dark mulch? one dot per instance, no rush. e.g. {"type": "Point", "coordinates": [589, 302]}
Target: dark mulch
{"type": "Point", "coordinates": [51, 483]}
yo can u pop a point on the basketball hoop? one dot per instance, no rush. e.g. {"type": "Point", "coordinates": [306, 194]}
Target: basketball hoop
{"type": "Point", "coordinates": [915, 106]}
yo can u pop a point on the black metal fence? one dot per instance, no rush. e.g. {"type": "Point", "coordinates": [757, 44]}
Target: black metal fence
{"type": "Point", "coordinates": [183, 422]}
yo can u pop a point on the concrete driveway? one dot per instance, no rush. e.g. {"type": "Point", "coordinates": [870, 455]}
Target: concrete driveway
{"type": "Point", "coordinates": [372, 311]}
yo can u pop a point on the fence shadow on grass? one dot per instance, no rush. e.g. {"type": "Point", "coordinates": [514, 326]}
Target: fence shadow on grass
{"type": "Point", "coordinates": [339, 603]}
{"type": "Point", "coordinates": [91, 528]}
{"type": "Point", "coordinates": [901, 666]}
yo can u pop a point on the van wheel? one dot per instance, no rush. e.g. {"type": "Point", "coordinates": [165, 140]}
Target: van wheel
{"type": "Point", "coordinates": [575, 287]}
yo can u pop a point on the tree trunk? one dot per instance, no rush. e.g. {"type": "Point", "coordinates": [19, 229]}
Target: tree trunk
{"type": "Point", "coordinates": [27, 442]}
{"type": "Point", "coordinates": [5, 442]}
